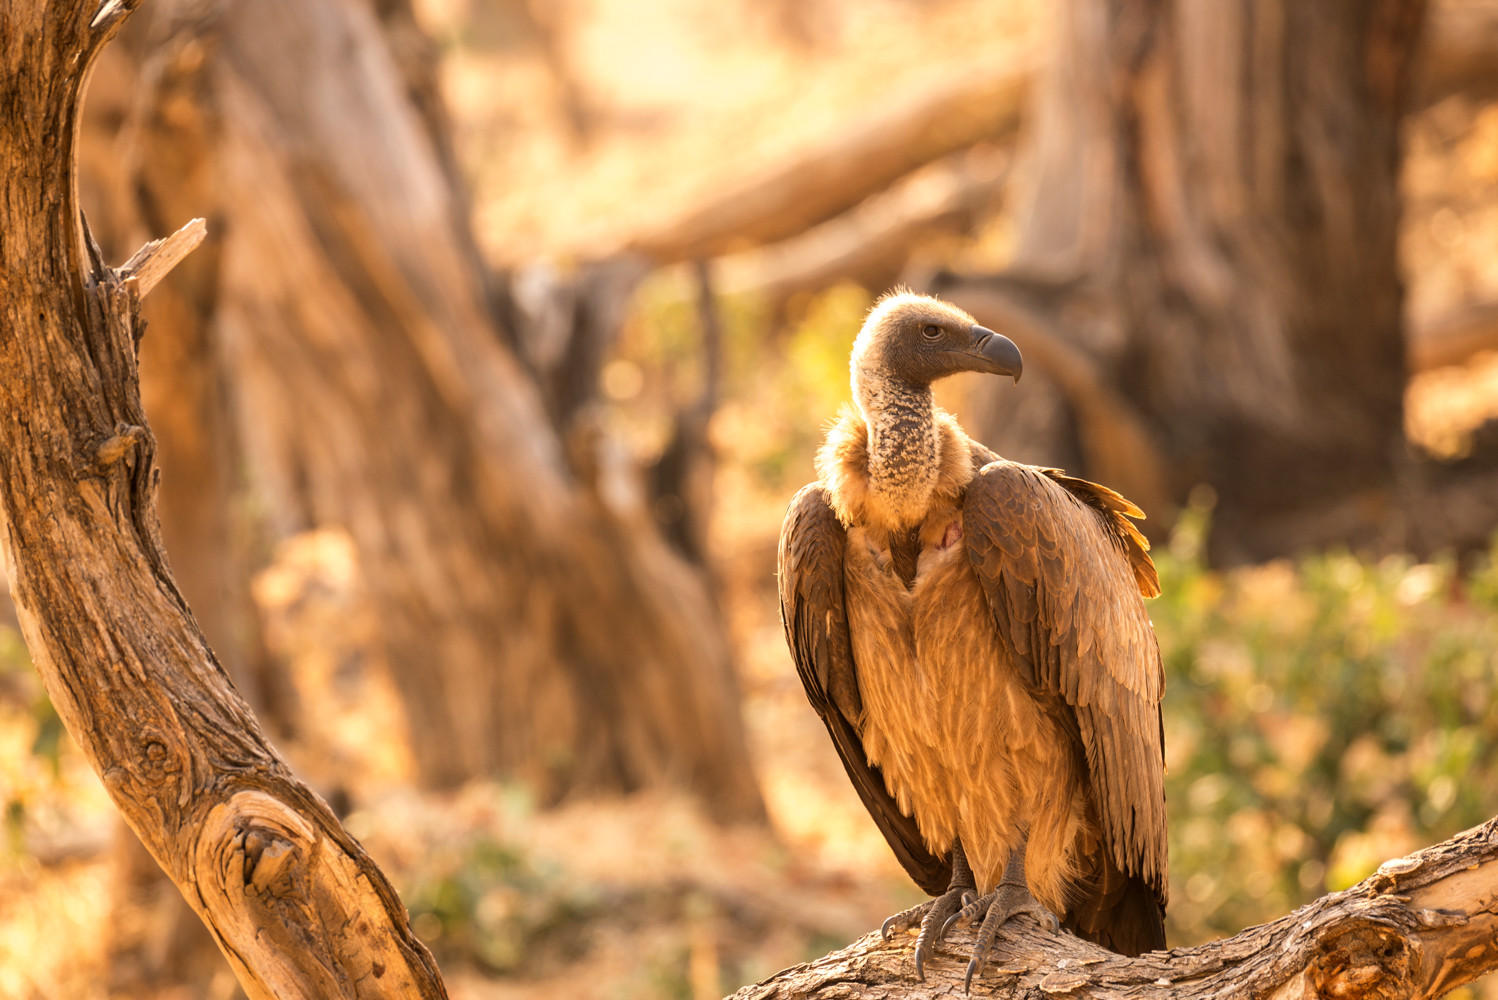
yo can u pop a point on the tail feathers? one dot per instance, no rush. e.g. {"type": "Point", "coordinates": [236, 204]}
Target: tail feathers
{"type": "Point", "coordinates": [1136, 924]}
{"type": "Point", "coordinates": [1123, 913]}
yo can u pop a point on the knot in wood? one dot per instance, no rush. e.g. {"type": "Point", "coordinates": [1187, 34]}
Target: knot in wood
{"type": "Point", "coordinates": [119, 444]}
{"type": "Point", "coordinates": [1364, 961]}
{"type": "Point", "coordinates": [267, 856]}
{"type": "Point", "coordinates": [157, 764]}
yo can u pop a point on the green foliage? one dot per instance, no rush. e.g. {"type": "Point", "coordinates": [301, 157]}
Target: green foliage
{"type": "Point", "coordinates": [489, 903]}
{"type": "Point", "coordinates": [29, 723]}
{"type": "Point", "coordinates": [1320, 718]}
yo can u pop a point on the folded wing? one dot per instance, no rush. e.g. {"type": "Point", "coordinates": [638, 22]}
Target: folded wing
{"type": "Point", "coordinates": [1063, 569]}
{"type": "Point", "coordinates": [812, 543]}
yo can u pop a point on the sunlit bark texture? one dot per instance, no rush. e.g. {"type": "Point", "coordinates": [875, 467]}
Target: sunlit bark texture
{"type": "Point", "coordinates": [1206, 261]}
{"type": "Point", "coordinates": [532, 632]}
{"type": "Point", "coordinates": [1418, 928]}
{"type": "Point", "coordinates": [291, 899]}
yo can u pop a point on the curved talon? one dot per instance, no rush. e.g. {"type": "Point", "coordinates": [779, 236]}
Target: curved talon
{"type": "Point", "coordinates": [973, 967]}
{"type": "Point", "coordinates": [996, 909]}
{"type": "Point", "coordinates": [904, 920]}
{"type": "Point", "coordinates": [932, 925]}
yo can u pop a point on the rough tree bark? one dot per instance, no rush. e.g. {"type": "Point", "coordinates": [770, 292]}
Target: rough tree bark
{"type": "Point", "coordinates": [1212, 222]}
{"type": "Point", "coordinates": [533, 632]}
{"type": "Point", "coordinates": [156, 943]}
{"type": "Point", "coordinates": [1419, 927]}
{"type": "Point", "coordinates": [294, 903]}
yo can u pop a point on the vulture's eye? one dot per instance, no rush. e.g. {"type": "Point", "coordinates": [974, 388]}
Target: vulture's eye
{"type": "Point", "coordinates": [931, 332]}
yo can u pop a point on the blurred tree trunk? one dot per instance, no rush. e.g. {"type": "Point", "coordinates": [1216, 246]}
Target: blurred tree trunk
{"type": "Point", "coordinates": [534, 633]}
{"type": "Point", "coordinates": [1209, 240]}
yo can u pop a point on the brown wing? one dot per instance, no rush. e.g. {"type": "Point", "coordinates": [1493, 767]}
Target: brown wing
{"type": "Point", "coordinates": [1063, 569]}
{"type": "Point", "coordinates": [816, 629]}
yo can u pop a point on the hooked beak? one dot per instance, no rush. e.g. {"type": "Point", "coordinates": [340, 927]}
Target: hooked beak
{"type": "Point", "coordinates": [994, 353]}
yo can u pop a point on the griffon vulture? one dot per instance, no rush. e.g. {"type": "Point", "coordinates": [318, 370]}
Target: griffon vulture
{"type": "Point", "coordinates": [971, 632]}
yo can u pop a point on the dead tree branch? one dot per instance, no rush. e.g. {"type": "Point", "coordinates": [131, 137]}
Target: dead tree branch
{"type": "Point", "coordinates": [292, 900]}
{"type": "Point", "coordinates": [874, 243]}
{"type": "Point", "coordinates": [1419, 927]}
{"type": "Point", "coordinates": [1452, 338]}
{"type": "Point", "coordinates": [846, 168]}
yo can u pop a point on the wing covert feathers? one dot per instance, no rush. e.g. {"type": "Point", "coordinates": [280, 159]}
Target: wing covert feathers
{"type": "Point", "coordinates": [812, 609]}
{"type": "Point", "coordinates": [1063, 569]}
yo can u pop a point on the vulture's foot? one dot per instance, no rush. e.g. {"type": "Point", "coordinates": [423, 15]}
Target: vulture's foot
{"type": "Point", "coordinates": [935, 915]}
{"type": "Point", "coordinates": [998, 907]}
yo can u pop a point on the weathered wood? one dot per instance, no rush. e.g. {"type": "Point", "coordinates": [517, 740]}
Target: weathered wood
{"type": "Point", "coordinates": [1419, 927]}
{"type": "Point", "coordinates": [292, 900]}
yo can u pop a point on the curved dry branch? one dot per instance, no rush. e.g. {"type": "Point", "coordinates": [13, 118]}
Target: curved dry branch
{"type": "Point", "coordinates": [874, 242]}
{"type": "Point", "coordinates": [293, 901]}
{"type": "Point", "coordinates": [1420, 926]}
{"type": "Point", "coordinates": [843, 169]}
{"type": "Point", "coordinates": [1452, 338]}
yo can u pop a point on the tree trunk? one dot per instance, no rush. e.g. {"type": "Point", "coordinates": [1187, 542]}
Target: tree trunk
{"type": "Point", "coordinates": [291, 899]}
{"type": "Point", "coordinates": [1420, 927]}
{"type": "Point", "coordinates": [533, 631]}
{"type": "Point", "coordinates": [1211, 225]}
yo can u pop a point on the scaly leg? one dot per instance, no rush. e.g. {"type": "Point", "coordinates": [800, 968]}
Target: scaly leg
{"type": "Point", "coordinates": [1012, 897]}
{"type": "Point", "coordinates": [934, 915]}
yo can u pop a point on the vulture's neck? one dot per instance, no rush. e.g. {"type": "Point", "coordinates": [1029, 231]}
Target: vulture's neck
{"type": "Point", "coordinates": [904, 448]}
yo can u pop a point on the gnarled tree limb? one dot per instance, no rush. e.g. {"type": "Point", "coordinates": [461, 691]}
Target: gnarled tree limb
{"type": "Point", "coordinates": [1420, 926]}
{"type": "Point", "coordinates": [293, 901]}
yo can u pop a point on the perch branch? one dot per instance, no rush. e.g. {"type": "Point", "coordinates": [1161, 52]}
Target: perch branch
{"type": "Point", "coordinates": [1419, 927]}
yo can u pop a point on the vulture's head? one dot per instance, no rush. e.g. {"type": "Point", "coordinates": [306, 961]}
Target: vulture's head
{"type": "Point", "coordinates": [916, 339]}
